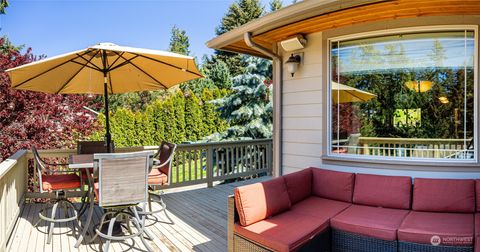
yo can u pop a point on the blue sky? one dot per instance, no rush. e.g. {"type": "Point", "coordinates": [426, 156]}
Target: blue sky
{"type": "Point", "coordinates": [53, 27]}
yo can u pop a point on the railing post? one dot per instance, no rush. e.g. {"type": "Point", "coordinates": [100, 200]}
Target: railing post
{"type": "Point", "coordinates": [210, 166]}
{"type": "Point", "coordinates": [270, 159]}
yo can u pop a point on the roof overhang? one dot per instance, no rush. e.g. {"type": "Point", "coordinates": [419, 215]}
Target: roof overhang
{"type": "Point", "coordinates": [311, 16]}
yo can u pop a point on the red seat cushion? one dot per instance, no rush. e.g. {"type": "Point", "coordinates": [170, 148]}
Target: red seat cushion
{"type": "Point", "coordinates": [332, 184]}
{"type": "Point", "coordinates": [383, 191]}
{"type": "Point", "coordinates": [299, 185]}
{"type": "Point", "coordinates": [60, 182]}
{"type": "Point", "coordinates": [258, 201]}
{"type": "Point", "coordinates": [284, 232]}
{"type": "Point", "coordinates": [454, 229]}
{"type": "Point", "coordinates": [319, 207]}
{"type": "Point", "coordinates": [156, 177]}
{"type": "Point", "coordinates": [477, 232]}
{"type": "Point", "coordinates": [376, 222]}
{"type": "Point", "coordinates": [444, 195]}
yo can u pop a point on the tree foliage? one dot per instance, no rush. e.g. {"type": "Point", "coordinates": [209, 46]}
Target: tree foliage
{"type": "Point", "coordinates": [275, 5]}
{"type": "Point", "coordinates": [248, 109]}
{"type": "Point", "coordinates": [33, 118]}
{"type": "Point", "coordinates": [179, 41]}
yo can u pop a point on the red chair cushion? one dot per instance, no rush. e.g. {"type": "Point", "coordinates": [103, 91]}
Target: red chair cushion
{"type": "Point", "coordinates": [478, 194]}
{"type": "Point", "coordinates": [444, 195]}
{"type": "Point", "coordinates": [382, 191]}
{"type": "Point", "coordinates": [299, 185]}
{"type": "Point", "coordinates": [96, 190]}
{"type": "Point", "coordinates": [376, 222]}
{"type": "Point", "coordinates": [258, 201]}
{"type": "Point", "coordinates": [60, 182]}
{"type": "Point", "coordinates": [319, 207]}
{"type": "Point", "coordinates": [454, 229]}
{"type": "Point", "coordinates": [332, 184]}
{"type": "Point", "coordinates": [477, 232]}
{"type": "Point", "coordinates": [284, 232]}
{"type": "Point", "coordinates": [156, 177]}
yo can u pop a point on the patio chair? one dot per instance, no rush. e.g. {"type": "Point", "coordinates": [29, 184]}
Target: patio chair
{"type": "Point", "coordinates": [57, 182]}
{"type": "Point", "coordinates": [122, 186]}
{"type": "Point", "coordinates": [160, 175]}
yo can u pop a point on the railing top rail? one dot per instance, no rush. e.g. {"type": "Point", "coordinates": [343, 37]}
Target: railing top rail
{"type": "Point", "coordinates": [10, 162]}
{"type": "Point", "coordinates": [411, 140]}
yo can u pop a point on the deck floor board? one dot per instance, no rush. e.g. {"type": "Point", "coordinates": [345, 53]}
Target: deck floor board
{"type": "Point", "coordinates": [198, 222]}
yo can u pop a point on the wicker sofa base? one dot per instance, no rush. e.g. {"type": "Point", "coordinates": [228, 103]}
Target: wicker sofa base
{"type": "Point", "coordinates": [417, 247]}
{"type": "Point", "coordinates": [320, 243]}
{"type": "Point", "coordinates": [349, 242]}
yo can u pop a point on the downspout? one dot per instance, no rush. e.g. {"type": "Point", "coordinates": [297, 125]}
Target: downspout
{"type": "Point", "coordinates": [277, 101]}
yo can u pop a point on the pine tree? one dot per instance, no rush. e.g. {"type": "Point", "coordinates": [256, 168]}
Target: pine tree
{"type": "Point", "coordinates": [178, 103]}
{"type": "Point", "coordinates": [168, 116]}
{"type": "Point", "coordinates": [275, 5]}
{"type": "Point", "coordinates": [3, 5]}
{"type": "Point", "coordinates": [248, 109]}
{"type": "Point", "coordinates": [179, 41]}
{"type": "Point", "coordinates": [239, 13]}
{"type": "Point", "coordinates": [220, 75]}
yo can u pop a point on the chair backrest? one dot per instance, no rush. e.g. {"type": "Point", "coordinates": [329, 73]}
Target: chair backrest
{"type": "Point", "coordinates": [39, 166]}
{"type": "Point", "coordinates": [92, 147]}
{"type": "Point", "coordinates": [122, 177]}
{"type": "Point", "coordinates": [165, 155]}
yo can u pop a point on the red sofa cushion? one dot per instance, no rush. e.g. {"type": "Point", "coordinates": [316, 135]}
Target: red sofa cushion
{"type": "Point", "coordinates": [376, 222]}
{"type": "Point", "coordinates": [332, 184]}
{"type": "Point", "coordinates": [299, 184]}
{"type": "Point", "coordinates": [60, 182]}
{"type": "Point", "coordinates": [454, 229]}
{"type": "Point", "coordinates": [477, 232]}
{"type": "Point", "coordinates": [382, 191]}
{"type": "Point", "coordinates": [319, 207]}
{"type": "Point", "coordinates": [157, 177]}
{"type": "Point", "coordinates": [258, 201]}
{"type": "Point", "coordinates": [444, 195]}
{"type": "Point", "coordinates": [478, 194]}
{"type": "Point", "coordinates": [284, 232]}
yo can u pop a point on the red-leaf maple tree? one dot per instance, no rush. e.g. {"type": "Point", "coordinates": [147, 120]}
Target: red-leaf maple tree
{"type": "Point", "coordinates": [37, 119]}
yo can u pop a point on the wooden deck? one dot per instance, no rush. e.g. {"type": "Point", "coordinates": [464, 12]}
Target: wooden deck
{"type": "Point", "coordinates": [198, 222]}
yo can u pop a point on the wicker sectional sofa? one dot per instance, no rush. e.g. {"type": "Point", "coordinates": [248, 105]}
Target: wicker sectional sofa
{"type": "Point", "coordinates": [322, 210]}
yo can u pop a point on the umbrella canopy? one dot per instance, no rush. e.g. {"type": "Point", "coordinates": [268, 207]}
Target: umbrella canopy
{"type": "Point", "coordinates": [105, 69]}
{"type": "Point", "coordinates": [344, 94]}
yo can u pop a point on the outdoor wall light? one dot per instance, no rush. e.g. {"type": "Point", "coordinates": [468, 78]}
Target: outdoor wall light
{"type": "Point", "coordinates": [292, 64]}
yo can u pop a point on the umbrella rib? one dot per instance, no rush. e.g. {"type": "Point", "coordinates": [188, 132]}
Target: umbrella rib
{"type": "Point", "coordinates": [115, 61]}
{"type": "Point", "coordinates": [44, 72]}
{"type": "Point", "coordinates": [82, 64]}
{"type": "Point", "coordinates": [79, 70]}
{"type": "Point", "coordinates": [143, 71]}
{"type": "Point", "coordinates": [165, 63]}
{"type": "Point", "coordinates": [96, 67]}
{"type": "Point", "coordinates": [123, 63]}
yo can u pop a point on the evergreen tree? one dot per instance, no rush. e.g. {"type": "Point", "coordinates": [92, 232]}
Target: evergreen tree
{"type": "Point", "coordinates": [239, 13]}
{"type": "Point", "coordinates": [220, 75]}
{"type": "Point", "coordinates": [179, 42]}
{"type": "Point", "coordinates": [178, 103]}
{"type": "Point", "coordinates": [3, 5]}
{"type": "Point", "coordinates": [248, 109]}
{"type": "Point", "coordinates": [275, 5]}
{"type": "Point", "coordinates": [193, 117]}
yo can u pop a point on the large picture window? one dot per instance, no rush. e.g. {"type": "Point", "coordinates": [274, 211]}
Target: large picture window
{"type": "Point", "coordinates": [405, 95]}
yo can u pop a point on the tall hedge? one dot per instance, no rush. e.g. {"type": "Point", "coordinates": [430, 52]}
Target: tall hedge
{"type": "Point", "coordinates": [182, 116]}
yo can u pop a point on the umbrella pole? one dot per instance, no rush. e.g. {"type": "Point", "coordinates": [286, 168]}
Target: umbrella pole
{"type": "Point", "coordinates": [108, 137]}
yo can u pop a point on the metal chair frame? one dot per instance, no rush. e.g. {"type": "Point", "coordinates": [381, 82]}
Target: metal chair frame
{"type": "Point", "coordinates": [152, 193]}
{"type": "Point", "coordinates": [126, 209]}
{"type": "Point", "coordinates": [60, 199]}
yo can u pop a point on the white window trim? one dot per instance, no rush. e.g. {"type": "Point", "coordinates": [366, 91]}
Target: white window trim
{"type": "Point", "coordinates": [391, 160]}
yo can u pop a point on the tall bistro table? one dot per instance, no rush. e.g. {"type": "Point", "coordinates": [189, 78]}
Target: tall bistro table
{"type": "Point", "coordinates": [84, 162]}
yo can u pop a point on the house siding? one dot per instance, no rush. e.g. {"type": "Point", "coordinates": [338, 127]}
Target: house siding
{"type": "Point", "coordinates": [304, 117]}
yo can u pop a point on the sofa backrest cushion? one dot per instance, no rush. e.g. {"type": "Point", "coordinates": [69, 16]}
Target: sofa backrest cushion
{"type": "Point", "coordinates": [383, 191]}
{"type": "Point", "coordinates": [259, 201]}
{"type": "Point", "coordinates": [478, 195]}
{"type": "Point", "coordinates": [299, 185]}
{"type": "Point", "coordinates": [332, 184]}
{"type": "Point", "coordinates": [444, 195]}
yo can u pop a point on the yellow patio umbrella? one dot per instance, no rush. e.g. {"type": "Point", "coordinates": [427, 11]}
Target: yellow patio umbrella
{"type": "Point", "coordinates": [105, 69]}
{"type": "Point", "coordinates": [344, 94]}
